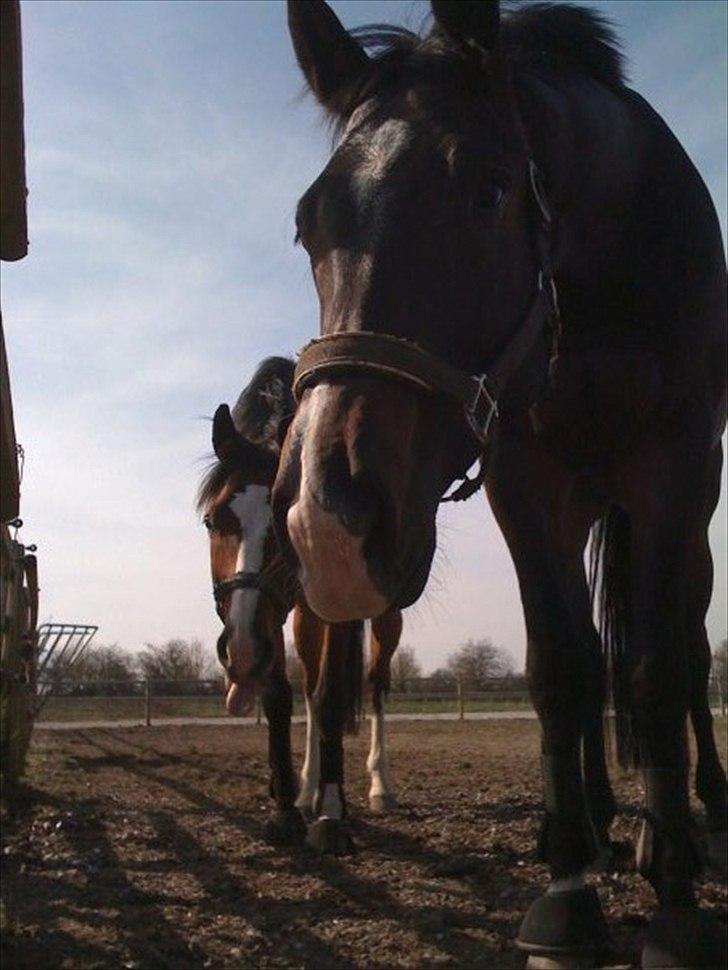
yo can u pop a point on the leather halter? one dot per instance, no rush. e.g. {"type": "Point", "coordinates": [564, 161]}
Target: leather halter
{"type": "Point", "coordinates": [399, 359]}
{"type": "Point", "coordinates": [252, 580]}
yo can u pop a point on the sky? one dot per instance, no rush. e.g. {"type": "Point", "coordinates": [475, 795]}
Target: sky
{"type": "Point", "coordinates": [167, 145]}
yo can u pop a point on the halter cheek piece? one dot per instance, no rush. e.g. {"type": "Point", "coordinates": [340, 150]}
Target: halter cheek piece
{"type": "Point", "coordinates": [404, 360]}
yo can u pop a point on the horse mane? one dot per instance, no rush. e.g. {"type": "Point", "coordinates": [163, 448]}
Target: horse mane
{"type": "Point", "coordinates": [263, 405]}
{"type": "Point", "coordinates": [265, 402]}
{"type": "Point", "coordinates": [553, 38]}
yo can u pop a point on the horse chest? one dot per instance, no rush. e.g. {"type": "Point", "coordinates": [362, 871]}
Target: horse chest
{"type": "Point", "coordinates": [599, 404]}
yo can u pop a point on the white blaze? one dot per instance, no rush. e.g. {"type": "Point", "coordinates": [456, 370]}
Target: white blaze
{"type": "Point", "coordinates": [251, 507]}
{"type": "Point", "coordinates": [334, 573]}
{"type": "Point", "coordinates": [381, 148]}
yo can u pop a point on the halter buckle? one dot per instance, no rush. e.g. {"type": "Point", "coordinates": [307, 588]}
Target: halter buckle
{"type": "Point", "coordinates": [480, 428]}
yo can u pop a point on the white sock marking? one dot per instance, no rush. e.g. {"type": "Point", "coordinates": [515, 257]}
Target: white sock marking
{"type": "Point", "coordinates": [377, 762]}
{"type": "Point", "coordinates": [331, 804]}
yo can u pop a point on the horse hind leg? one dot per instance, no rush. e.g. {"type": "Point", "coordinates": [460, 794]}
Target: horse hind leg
{"type": "Point", "coordinates": [386, 631]}
{"type": "Point", "coordinates": [710, 779]}
{"type": "Point", "coordinates": [311, 769]}
{"type": "Point", "coordinates": [599, 795]}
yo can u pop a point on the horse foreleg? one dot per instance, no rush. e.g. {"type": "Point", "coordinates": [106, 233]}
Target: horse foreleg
{"type": "Point", "coordinates": [308, 636]}
{"type": "Point", "coordinates": [386, 631]}
{"type": "Point", "coordinates": [286, 825]}
{"type": "Point", "coordinates": [546, 540]}
{"type": "Point", "coordinates": [329, 832]}
{"type": "Point", "coordinates": [658, 687]}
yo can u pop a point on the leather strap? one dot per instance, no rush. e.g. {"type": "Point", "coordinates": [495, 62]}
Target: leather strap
{"type": "Point", "coordinates": [251, 580]}
{"type": "Point", "coordinates": [404, 360]}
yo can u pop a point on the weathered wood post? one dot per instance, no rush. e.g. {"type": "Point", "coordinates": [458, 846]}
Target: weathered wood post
{"type": "Point", "coordinates": [148, 702]}
{"type": "Point", "coordinates": [461, 699]}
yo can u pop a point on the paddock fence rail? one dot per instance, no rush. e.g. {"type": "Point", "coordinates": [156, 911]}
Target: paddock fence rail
{"type": "Point", "coordinates": [147, 701]}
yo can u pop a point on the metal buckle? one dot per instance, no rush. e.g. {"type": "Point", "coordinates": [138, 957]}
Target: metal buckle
{"type": "Point", "coordinates": [481, 431]}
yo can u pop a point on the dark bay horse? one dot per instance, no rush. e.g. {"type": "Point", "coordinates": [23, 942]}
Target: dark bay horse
{"type": "Point", "coordinates": [516, 261]}
{"type": "Point", "coordinates": [254, 592]}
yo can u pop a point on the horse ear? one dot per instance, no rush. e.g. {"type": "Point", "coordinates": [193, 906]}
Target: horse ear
{"type": "Point", "coordinates": [327, 54]}
{"type": "Point", "coordinates": [224, 434]}
{"type": "Point", "coordinates": [472, 23]}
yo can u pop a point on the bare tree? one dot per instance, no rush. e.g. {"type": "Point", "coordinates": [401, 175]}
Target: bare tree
{"type": "Point", "coordinates": [441, 680]}
{"type": "Point", "coordinates": [478, 661]}
{"type": "Point", "coordinates": [177, 660]}
{"type": "Point", "coordinates": [404, 667]}
{"type": "Point", "coordinates": [99, 670]}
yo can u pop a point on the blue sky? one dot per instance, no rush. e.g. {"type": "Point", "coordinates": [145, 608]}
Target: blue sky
{"type": "Point", "coordinates": [167, 145]}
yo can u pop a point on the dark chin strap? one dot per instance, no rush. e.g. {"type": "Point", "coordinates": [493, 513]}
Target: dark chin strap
{"type": "Point", "coordinates": [403, 360]}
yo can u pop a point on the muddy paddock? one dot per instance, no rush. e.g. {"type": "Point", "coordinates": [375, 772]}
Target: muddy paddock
{"type": "Point", "coordinates": [142, 848]}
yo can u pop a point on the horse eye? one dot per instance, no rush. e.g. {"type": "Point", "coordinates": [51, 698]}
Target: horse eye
{"type": "Point", "coordinates": [490, 195]}
{"type": "Point", "coordinates": [207, 522]}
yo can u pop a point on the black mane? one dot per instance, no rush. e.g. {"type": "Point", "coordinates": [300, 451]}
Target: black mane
{"type": "Point", "coordinates": [557, 38]}
{"type": "Point", "coordinates": [257, 415]}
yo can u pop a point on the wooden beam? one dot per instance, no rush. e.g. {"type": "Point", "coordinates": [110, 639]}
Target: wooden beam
{"type": "Point", "coordinates": [13, 190]}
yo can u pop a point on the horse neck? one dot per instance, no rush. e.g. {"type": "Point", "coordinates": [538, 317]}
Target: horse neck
{"type": "Point", "coordinates": [618, 182]}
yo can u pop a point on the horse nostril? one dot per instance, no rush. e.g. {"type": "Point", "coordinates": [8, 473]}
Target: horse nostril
{"type": "Point", "coordinates": [362, 508]}
{"type": "Point", "coordinates": [353, 498]}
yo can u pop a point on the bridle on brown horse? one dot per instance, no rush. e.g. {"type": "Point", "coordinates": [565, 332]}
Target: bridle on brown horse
{"type": "Point", "coordinates": [267, 582]}
{"type": "Point", "coordinates": [400, 359]}
{"type": "Point", "coordinates": [252, 580]}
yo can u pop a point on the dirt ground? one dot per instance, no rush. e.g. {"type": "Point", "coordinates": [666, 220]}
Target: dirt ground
{"type": "Point", "coordinates": [142, 848]}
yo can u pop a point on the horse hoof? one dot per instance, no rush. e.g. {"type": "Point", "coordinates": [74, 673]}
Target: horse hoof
{"type": "Point", "coordinates": [330, 836]}
{"type": "Point", "coordinates": [684, 937]}
{"type": "Point", "coordinates": [716, 855]}
{"type": "Point", "coordinates": [381, 804]}
{"type": "Point", "coordinates": [285, 827]}
{"type": "Point", "coordinates": [563, 930]}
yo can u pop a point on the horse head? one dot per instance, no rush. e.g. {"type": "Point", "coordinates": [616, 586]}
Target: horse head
{"type": "Point", "coordinates": [251, 583]}
{"type": "Point", "coordinates": [419, 228]}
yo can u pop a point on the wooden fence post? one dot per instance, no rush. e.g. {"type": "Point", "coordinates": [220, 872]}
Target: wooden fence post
{"type": "Point", "coordinates": [148, 702]}
{"type": "Point", "coordinates": [461, 699]}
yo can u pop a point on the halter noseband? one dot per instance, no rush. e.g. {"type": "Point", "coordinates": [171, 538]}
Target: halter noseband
{"type": "Point", "coordinates": [400, 359]}
{"type": "Point", "coordinates": [251, 580]}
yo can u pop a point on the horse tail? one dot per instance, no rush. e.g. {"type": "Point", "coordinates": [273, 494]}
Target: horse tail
{"type": "Point", "coordinates": [337, 698]}
{"type": "Point", "coordinates": [609, 583]}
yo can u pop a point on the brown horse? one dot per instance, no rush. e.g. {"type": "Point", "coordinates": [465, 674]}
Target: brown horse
{"type": "Point", "coordinates": [254, 592]}
{"type": "Point", "coordinates": [516, 261]}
